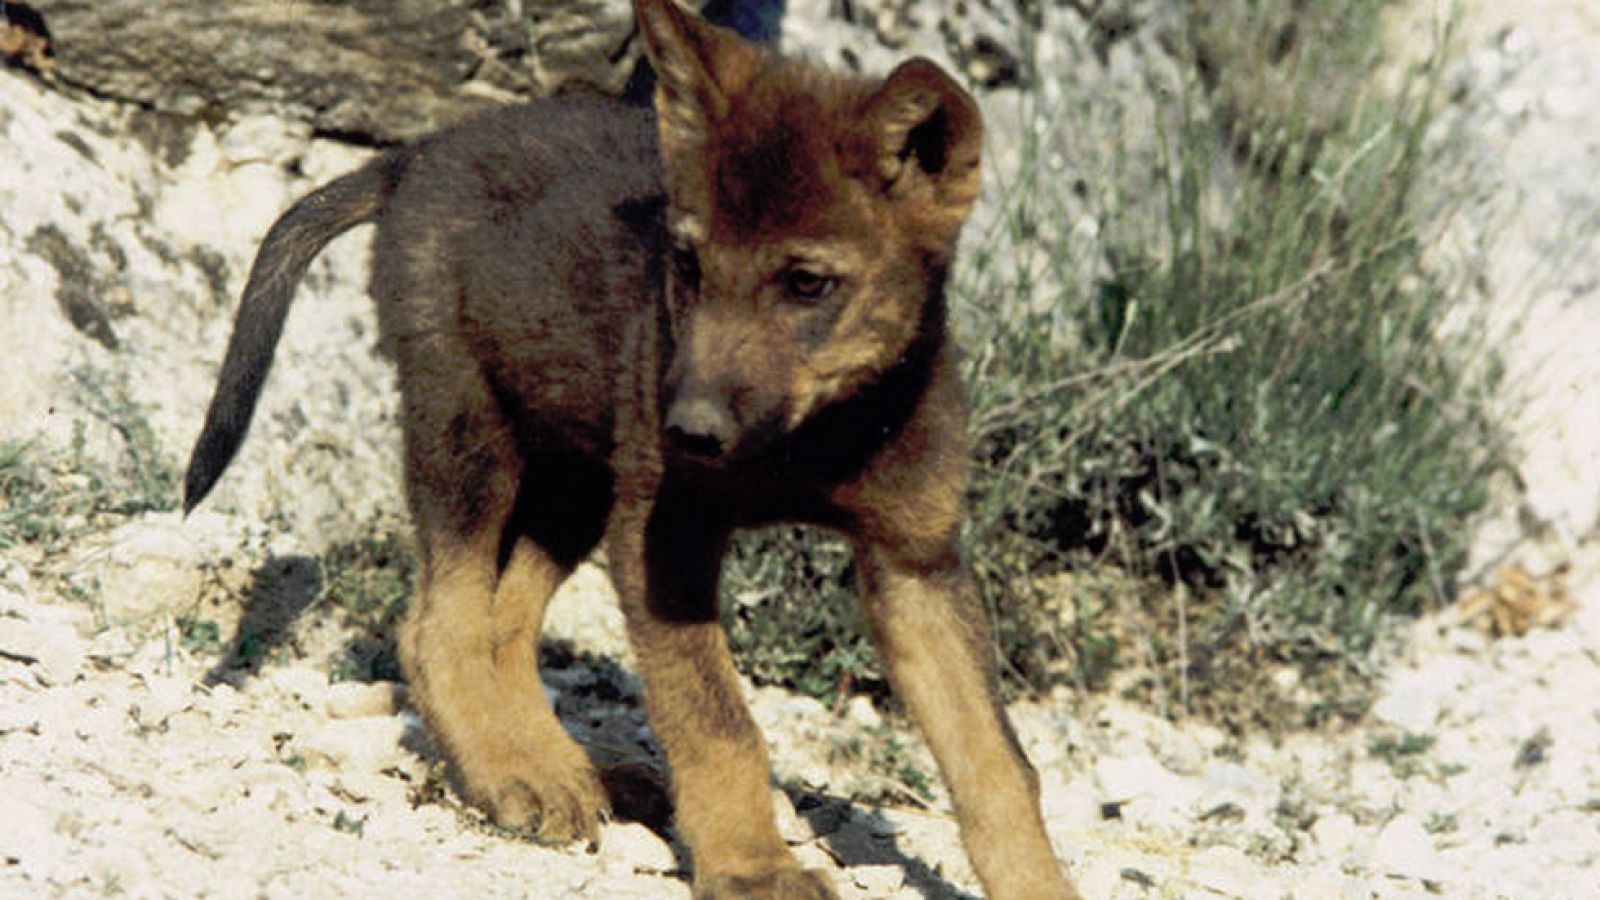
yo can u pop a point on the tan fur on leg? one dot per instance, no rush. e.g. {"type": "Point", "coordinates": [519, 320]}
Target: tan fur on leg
{"type": "Point", "coordinates": [472, 657]}
{"type": "Point", "coordinates": [935, 642]}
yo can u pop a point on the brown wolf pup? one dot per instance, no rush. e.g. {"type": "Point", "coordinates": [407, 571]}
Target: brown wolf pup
{"type": "Point", "coordinates": [644, 331]}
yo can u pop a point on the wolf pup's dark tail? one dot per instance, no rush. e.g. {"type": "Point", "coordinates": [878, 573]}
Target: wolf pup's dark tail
{"type": "Point", "coordinates": [290, 246]}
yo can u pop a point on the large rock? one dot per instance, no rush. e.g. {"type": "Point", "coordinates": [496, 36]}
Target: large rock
{"type": "Point", "coordinates": [386, 69]}
{"type": "Point", "coordinates": [124, 244]}
{"type": "Point", "coordinates": [370, 70]}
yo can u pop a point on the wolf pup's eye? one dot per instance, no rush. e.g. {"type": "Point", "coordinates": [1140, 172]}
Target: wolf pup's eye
{"type": "Point", "coordinates": [802, 286]}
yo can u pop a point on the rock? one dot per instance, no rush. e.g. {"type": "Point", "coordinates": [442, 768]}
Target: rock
{"type": "Point", "coordinates": [795, 830]}
{"type": "Point", "coordinates": [369, 787]}
{"type": "Point", "coordinates": [1403, 848]}
{"type": "Point", "coordinates": [303, 683]}
{"type": "Point", "coordinates": [861, 712]}
{"type": "Point", "coordinates": [371, 744]}
{"type": "Point", "coordinates": [581, 42]}
{"type": "Point", "coordinates": [585, 612]}
{"type": "Point", "coordinates": [55, 652]}
{"type": "Point", "coordinates": [877, 881]}
{"type": "Point", "coordinates": [1068, 806]}
{"type": "Point", "coordinates": [146, 569]}
{"type": "Point", "coordinates": [629, 846]}
{"type": "Point", "coordinates": [354, 699]}
{"type": "Point", "coordinates": [1412, 699]}
{"type": "Point", "coordinates": [885, 824]}
{"type": "Point", "coordinates": [812, 856]}
{"type": "Point", "coordinates": [1145, 791]}
{"type": "Point", "coordinates": [271, 786]}
{"type": "Point", "coordinates": [388, 71]}
{"type": "Point", "coordinates": [262, 139]}
{"type": "Point", "coordinates": [165, 696]}
{"type": "Point", "coordinates": [1321, 886]}
{"type": "Point", "coordinates": [1227, 871]}
{"type": "Point", "coordinates": [1254, 793]}
{"type": "Point", "coordinates": [15, 718]}
{"type": "Point", "coordinates": [1334, 835]}
{"type": "Point", "coordinates": [243, 195]}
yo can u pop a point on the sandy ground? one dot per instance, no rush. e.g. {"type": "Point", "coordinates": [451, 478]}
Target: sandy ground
{"type": "Point", "coordinates": [128, 769]}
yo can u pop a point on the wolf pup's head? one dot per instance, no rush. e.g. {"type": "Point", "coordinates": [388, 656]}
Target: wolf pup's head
{"type": "Point", "coordinates": [812, 217]}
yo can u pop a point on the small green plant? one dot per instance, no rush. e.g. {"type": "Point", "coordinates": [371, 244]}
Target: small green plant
{"type": "Point", "coordinates": [49, 498]}
{"type": "Point", "coordinates": [1441, 823]}
{"type": "Point", "coordinates": [1402, 752]}
{"type": "Point", "coordinates": [199, 636]}
{"type": "Point", "coordinates": [343, 821]}
{"type": "Point", "coordinates": [792, 614]}
{"type": "Point", "coordinates": [24, 498]}
{"type": "Point", "coordinates": [1399, 746]}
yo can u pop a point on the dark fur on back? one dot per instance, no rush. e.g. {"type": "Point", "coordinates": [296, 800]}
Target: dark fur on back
{"type": "Point", "coordinates": [555, 198]}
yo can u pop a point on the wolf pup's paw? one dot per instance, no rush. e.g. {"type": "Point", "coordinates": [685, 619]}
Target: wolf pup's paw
{"type": "Point", "coordinates": [785, 884]}
{"type": "Point", "coordinates": [554, 805]}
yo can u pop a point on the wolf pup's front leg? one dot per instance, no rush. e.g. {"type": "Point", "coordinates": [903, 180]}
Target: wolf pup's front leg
{"type": "Point", "coordinates": [933, 638]}
{"type": "Point", "coordinates": [664, 563]}
{"type": "Point", "coordinates": [664, 545]}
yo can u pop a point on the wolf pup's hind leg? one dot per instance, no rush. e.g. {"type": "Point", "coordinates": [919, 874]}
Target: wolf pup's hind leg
{"type": "Point", "coordinates": [469, 646]}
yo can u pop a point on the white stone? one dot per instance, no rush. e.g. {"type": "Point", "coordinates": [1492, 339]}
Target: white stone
{"type": "Point", "coordinates": [369, 787]}
{"type": "Point", "coordinates": [878, 881]}
{"type": "Point", "coordinates": [1405, 849]}
{"type": "Point", "coordinates": [307, 685]}
{"type": "Point", "coordinates": [1227, 782]}
{"type": "Point", "coordinates": [794, 828]}
{"type": "Point", "coordinates": [1334, 835]}
{"type": "Point", "coordinates": [165, 696]}
{"type": "Point", "coordinates": [1068, 806]}
{"type": "Point", "coordinates": [263, 139]}
{"type": "Point", "coordinates": [1412, 698]}
{"type": "Point", "coordinates": [1326, 886]}
{"type": "Point", "coordinates": [1228, 872]}
{"type": "Point", "coordinates": [862, 712]}
{"type": "Point", "coordinates": [1150, 795]}
{"type": "Point", "coordinates": [371, 744]}
{"type": "Point", "coordinates": [55, 651]}
{"type": "Point", "coordinates": [355, 699]}
{"type": "Point", "coordinates": [812, 856]}
{"type": "Point", "coordinates": [629, 846]}
{"type": "Point", "coordinates": [146, 569]}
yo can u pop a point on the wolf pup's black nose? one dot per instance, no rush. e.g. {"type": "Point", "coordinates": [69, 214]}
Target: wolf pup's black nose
{"type": "Point", "coordinates": [700, 427]}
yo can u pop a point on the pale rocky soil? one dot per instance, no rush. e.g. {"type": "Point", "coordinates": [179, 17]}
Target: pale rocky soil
{"type": "Point", "coordinates": [132, 763]}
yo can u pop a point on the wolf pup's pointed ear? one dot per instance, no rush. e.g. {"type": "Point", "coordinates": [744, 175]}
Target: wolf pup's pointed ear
{"type": "Point", "coordinates": [698, 67]}
{"type": "Point", "coordinates": [926, 137]}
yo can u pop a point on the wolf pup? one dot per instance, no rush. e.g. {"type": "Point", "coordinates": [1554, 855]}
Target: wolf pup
{"type": "Point", "coordinates": [644, 331]}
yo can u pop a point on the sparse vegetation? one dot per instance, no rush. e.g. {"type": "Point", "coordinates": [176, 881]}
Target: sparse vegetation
{"type": "Point", "coordinates": [148, 479]}
{"type": "Point", "coordinates": [48, 498]}
{"type": "Point", "coordinates": [899, 776]}
{"type": "Point", "coordinates": [1245, 430]}
{"type": "Point", "coordinates": [1403, 752]}
{"type": "Point", "coordinates": [369, 582]}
